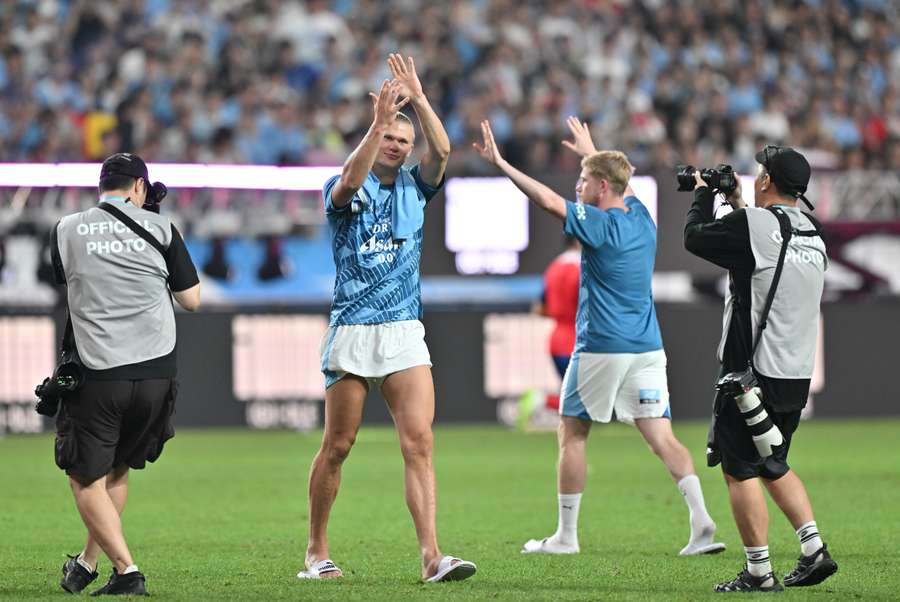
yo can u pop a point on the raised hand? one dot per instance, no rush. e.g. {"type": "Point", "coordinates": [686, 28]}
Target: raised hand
{"type": "Point", "coordinates": [581, 134]}
{"type": "Point", "coordinates": [385, 103]}
{"type": "Point", "coordinates": [489, 150]}
{"type": "Point", "coordinates": [405, 73]}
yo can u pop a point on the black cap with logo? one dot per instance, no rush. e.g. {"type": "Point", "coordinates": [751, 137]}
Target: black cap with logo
{"type": "Point", "coordinates": [126, 164]}
{"type": "Point", "coordinates": [788, 169]}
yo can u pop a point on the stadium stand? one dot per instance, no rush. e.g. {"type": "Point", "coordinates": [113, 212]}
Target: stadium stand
{"type": "Point", "coordinates": [214, 82]}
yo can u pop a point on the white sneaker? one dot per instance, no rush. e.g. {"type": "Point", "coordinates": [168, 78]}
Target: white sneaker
{"type": "Point", "coordinates": [548, 545]}
{"type": "Point", "coordinates": [702, 542]}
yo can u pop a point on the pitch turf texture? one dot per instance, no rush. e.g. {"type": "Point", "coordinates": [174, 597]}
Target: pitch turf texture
{"type": "Point", "coordinates": [223, 515]}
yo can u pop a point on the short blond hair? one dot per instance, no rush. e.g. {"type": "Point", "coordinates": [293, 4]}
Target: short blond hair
{"type": "Point", "coordinates": [612, 166]}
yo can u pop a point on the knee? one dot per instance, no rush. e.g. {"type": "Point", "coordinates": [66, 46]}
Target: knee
{"type": "Point", "coordinates": [417, 446]}
{"type": "Point", "coordinates": [336, 449]}
{"type": "Point", "coordinates": [658, 447]}
{"type": "Point", "coordinates": [664, 446]}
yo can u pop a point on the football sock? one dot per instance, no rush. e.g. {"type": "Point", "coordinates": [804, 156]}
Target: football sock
{"type": "Point", "coordinates": [131, 568]}
{"type": "Point", "coordinates": [758, 560]}
{"type": "Point", "coordinates": [689, 487]}
{"type": "Point", "coordinates": [810, 542]}
{"type": "Point", "coordinates": [567, 529]}
{"type": "Point", "coordinates": [80, 560]}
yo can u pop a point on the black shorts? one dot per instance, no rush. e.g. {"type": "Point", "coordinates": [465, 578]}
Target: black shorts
{"type": "Point", "coordinates": [731, 444]}
{"type": "Point", "coordinates": [737, 452]}
{"type": "Point", "coordinates": [108, 423]}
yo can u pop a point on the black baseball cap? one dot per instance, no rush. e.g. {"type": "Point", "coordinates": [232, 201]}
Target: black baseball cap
{"type": "Point", "coordinates": [124, 164]}
{"type": "Point", "coordinates": [788, 169]}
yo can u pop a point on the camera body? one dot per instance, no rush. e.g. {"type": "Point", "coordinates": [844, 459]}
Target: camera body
{"type": "Point", "coordinates": [720, 178]}
{"type": "Point", "coordinates": [742, 388]}
{"type": "Point", "coordinates": [67, 377]}
{"type": "Point", "coordinates": [156, 192]}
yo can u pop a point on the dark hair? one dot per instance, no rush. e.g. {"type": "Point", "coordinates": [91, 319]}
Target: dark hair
{"type": "Point", "coordinates": [116, 182]}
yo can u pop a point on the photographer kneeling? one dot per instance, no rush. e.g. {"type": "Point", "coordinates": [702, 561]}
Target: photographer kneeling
{"type": "Point", "coordinates": [119, 261]}
{"type": "Point", "coordinates": [776, 261]}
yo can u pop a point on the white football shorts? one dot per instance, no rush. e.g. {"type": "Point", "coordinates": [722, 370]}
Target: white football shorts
{"type": "Point", "coordinates": [373, 351]}
{"type": "Point", "coordinates": [632, 384]}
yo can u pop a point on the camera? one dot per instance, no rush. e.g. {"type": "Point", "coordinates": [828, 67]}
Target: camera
{"type": "Point", "coordinates": [156, 192]}
{"type": "Point", "coordinates": [721, 178]}
{"type": "Point", "coordinates": [67, 377]}
{"type": "Point", "coordinates": [742, 387]}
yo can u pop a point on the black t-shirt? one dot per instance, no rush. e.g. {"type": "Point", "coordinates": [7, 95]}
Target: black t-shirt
{"type": "Point", "coordinates": [182, 276]}
{"type": "Point", "coordinates": [726, 243]}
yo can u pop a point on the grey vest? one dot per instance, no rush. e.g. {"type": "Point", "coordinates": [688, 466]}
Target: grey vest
{"type": "Point", "coordinates": [118, 295]}
{"type": "Point", "coordinates": [788, 345]}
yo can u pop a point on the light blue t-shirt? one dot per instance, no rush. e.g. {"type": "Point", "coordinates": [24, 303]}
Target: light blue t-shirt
{"type": "Point", "coordinates": [377, 278]}
{"type": "Point", "coordinates": [615, 299]}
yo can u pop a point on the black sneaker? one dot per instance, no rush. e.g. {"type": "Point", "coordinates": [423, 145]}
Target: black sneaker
{"type": "Point", "coordinates": [75, 577]}
{"type": "Point", "coordinates": [812, 569]}
{"type": "Point", "coordinates": [130, 584]}
{"type": "Point", "coordinates": [745, 582]}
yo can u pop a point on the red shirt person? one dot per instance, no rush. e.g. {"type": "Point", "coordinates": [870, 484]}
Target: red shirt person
{"type": "Point", "coordinates": [561, 283]}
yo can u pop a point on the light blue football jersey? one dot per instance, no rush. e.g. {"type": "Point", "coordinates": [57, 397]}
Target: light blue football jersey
{"type": "Point", "coordinates": [615, 299]}
{"type": "Point", "coordinates": [377, 278]}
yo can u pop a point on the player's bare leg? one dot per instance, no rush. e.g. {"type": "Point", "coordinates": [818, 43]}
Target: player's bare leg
{"type": "Point", "coordinates": [572, 435]}
{"type": "Point", "coordinates": [657, 432]}
{"type": "Point", "coordinates": [344, 402]}
{"type": "Point", "coordinates": [410, 397]}
{"type": "Point", "coordinates": [571, 478]}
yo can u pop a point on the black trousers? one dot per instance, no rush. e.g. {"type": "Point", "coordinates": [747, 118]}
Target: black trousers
{"type": "Point", "coordinates": [108, 423]}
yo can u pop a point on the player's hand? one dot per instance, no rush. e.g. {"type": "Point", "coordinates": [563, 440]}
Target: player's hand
{"type": "Point", "coordinates": [385, 103]}
{"type": "Point", "coordinates": [582, 144]}
{"type": "Point", "coordinates": [405, 73]}
{"type": "Point", "coordinates": [489, 150]}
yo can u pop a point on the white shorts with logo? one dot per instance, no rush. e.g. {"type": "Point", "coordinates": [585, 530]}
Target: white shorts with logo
{"type": "Point", "coordinates": [632, 384]}
{"type": "Point", "coordinates": [373, 351]}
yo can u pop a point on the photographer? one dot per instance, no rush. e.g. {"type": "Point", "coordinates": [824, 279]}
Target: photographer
{"type": "Point", "coordinates": [119, 261]}
{"type": "Point", "coordinates": [776, 261]}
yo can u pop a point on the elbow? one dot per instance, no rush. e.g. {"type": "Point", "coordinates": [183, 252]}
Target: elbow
{"type": "Point", "coordinates": [442, 152]}
{"type": "Point", "coordinates": [690, 240]}
{"type": "Point", "coordinates": [350, 183]}
{"type": "Point", "coordinates": [194, 302]}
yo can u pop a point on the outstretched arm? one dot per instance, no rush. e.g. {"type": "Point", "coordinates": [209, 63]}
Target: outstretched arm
{"type": "Point", "coordinates": [434, 161]}
{"type": "Point", "coordinates": [583, 144]}
{"type": "Point", "coordinates": [541, 195]}
{"type": "Point", "coordinates": [360, 161]}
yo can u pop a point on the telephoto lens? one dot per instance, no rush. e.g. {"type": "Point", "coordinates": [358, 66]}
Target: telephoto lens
{"type": "Point", "coordinates": [741, 386]}
{"type": "Point", "coordinates": [763, 431]}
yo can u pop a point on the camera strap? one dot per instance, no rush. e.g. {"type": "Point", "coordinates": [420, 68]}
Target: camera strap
{"type": "Point", "coordinates": [137, 229]}
{"type": "Point", "coordinates": [787, 232]}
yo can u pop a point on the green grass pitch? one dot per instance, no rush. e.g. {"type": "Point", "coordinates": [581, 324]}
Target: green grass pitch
{"type": "Point", "coordinates": [222, 515]}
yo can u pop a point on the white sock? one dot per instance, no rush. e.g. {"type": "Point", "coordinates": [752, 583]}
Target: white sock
{"type": "Point", "coordinates": [80, 560]}
{"type": "Point", "coordinates": [810, 542]}
{"type": "Point", "coordinates": [567, 528]}
{"type": "Point", "coordinates": [689, 487]}
{"type": "Point", "coordinates": [758, 560]}
{"type": "Point", "coordinates": [131, 568]}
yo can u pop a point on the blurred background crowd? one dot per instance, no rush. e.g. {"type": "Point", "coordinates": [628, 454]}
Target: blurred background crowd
{"type": "Point", "coordinates": [286, 82]}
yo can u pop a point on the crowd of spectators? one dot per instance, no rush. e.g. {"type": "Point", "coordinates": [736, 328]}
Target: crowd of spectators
{"type": "Point", "coordinates": [286, 81]}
